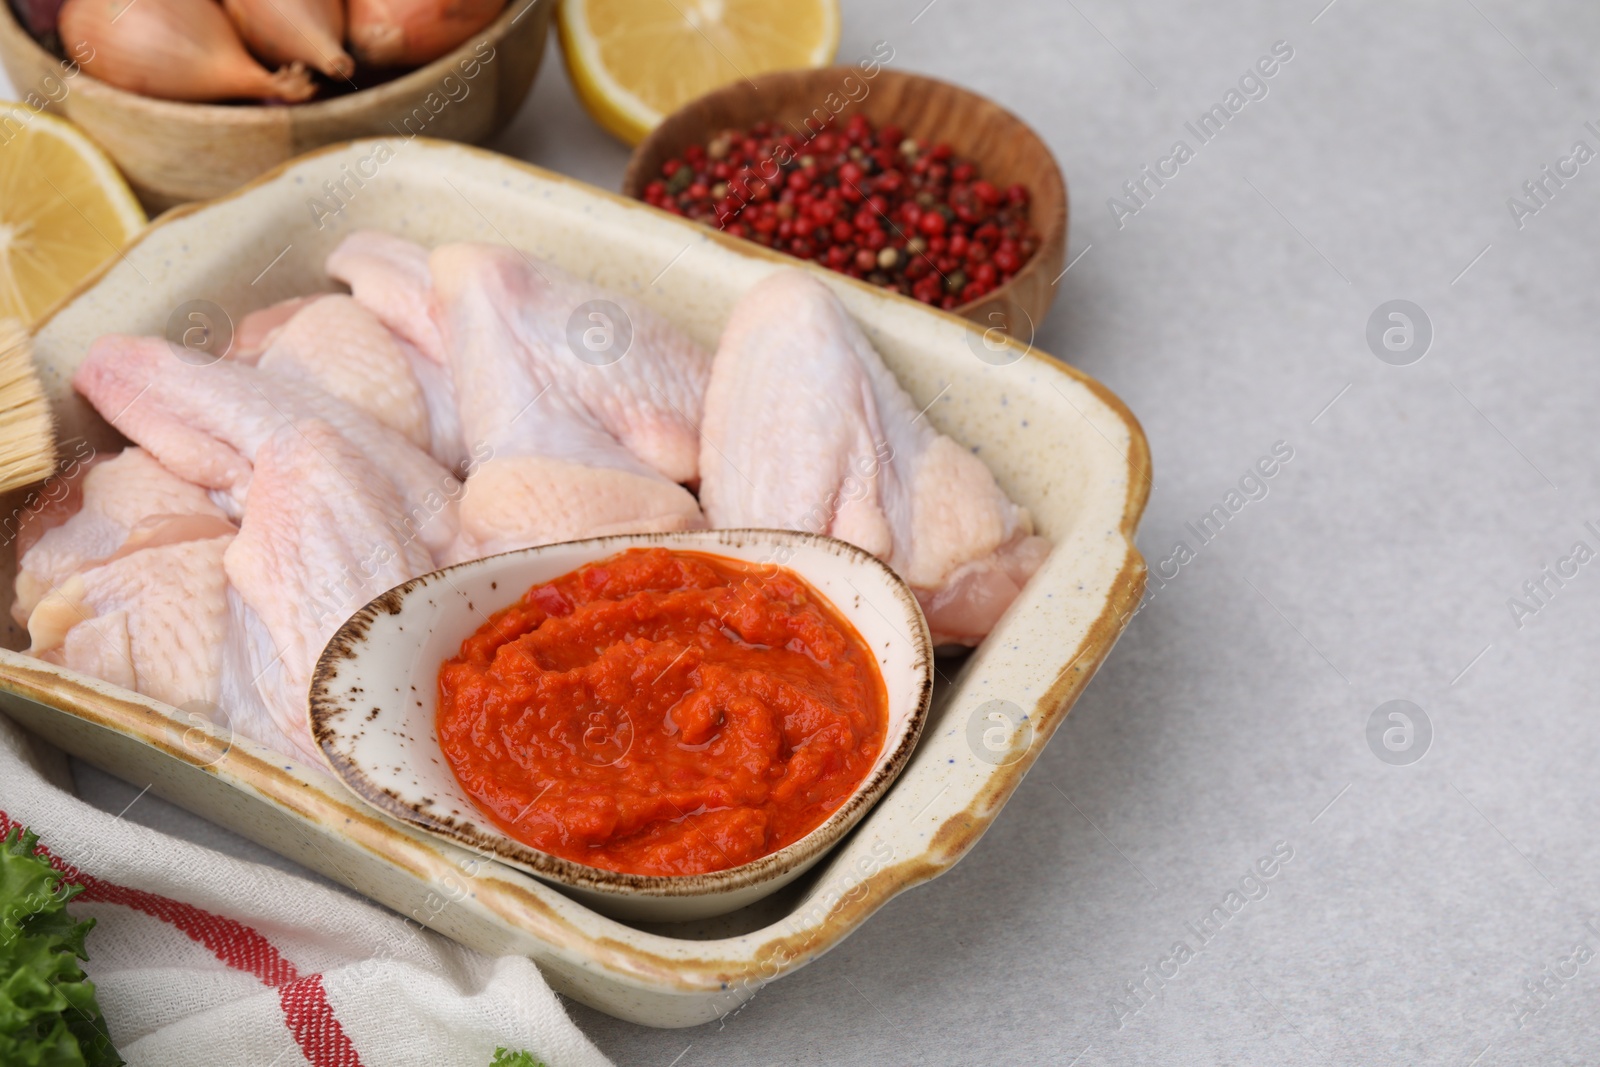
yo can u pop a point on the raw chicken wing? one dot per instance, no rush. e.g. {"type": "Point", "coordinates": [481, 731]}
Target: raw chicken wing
{"type": "Point", "coordinates": [649, 399]}
{"type": "Point", "coordinates": [341, 347]}
{"type": "Point", "coordinates": [547, 467]}
{"type": "Point", "coordinates": [153, 620]}
{"type": "Point", "coordinates": [806, 429]}
{"type": "Point", "coordinates": [206, 423]}
{"type": "Point", "coordinates": [390, 276]}
{"type": "Point", "coordinates": [129, 501]}
{"type": "Point", "coordinates": [319, 540]}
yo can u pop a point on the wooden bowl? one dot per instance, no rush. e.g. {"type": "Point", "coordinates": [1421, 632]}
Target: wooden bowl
{"type": "Point", "coordinates": [1005, 149]}
{"type": "Point", "coordinates": [173, 152]}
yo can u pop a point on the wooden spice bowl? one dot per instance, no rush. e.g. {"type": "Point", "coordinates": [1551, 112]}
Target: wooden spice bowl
{"type": "Point", "coordinates": [1004, 148]}
{"type": "Point", "coordinates": [173, 152]}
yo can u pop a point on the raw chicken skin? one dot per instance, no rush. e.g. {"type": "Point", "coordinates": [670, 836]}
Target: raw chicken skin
{"type": "Point", "coordinates": [545, 467]}
{"type": "Point", "coordinates": [100, 646]}
{"type": "Point", "coordinates": [204, 423]}
{"type": "Point", "coordinates": [556, 500]}
{"type": "Point", "coordinates": [109, 616]}
{"type": "Point", "coordinates": [342, 348]}
{"type": "Point", "coordinates": [390, 276]}
{"type": "Point", "coordinates": [153, 620]}
{"type": "Point", "coordinates": [806, 429]}
{"type": "Point", "coordinates": [649, 399]}
{"type": "Point", "coordinates": [54, 502]}
{"type": "Point", "coordinates": [243, 709]}
{"type": "Point", "coordinates": [119, 495]}
{"type": "Point", "coordinates": [445, 442]}
{"type": "Point", "coordinates": [318, 541]}
{"type": "Point", "coordinates": [257, 329]}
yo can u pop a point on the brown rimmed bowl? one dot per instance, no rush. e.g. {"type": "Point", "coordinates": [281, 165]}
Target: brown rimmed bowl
{"type": "Point", "coordinates": [374, 706]}
{"type": "Point", "coordinates": [1005, 149]}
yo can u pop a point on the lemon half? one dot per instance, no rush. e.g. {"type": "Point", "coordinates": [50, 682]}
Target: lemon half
{"type": "Point", "coordinates": [633, 62]}
{"type": "Point", "coordinates": [64, 210]}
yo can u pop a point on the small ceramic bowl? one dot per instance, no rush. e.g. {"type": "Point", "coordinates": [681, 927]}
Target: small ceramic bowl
{"type": "Point", "coordinates": [172, 152]}
{"type": "Point", "coordinates": [1005, 148]}
{"type": "Point", "coordinates": [373, 705]}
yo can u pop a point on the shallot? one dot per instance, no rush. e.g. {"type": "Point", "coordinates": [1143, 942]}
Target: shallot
{"type": "Point", "coordinates": [39, 16]}
{"type": "Point", "coordinates": [409, 33]}
{"type": "Point", "coordinates": [173, 50]}
{"type": "Point", "coordinates": [283, 31]}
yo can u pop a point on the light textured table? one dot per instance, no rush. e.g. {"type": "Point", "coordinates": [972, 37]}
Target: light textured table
{"type": "Point", "coordinates": [1231, 312]}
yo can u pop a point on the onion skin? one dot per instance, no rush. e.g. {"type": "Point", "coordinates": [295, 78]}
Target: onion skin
{"type": "Point", "coordinates": [173, 50]}
{"type": "Point", "coordinates": [409, 33]}
{"type": "Point", "coordinates": [39, 16]}
{"type": "Point", "coordinates": [287, 31]}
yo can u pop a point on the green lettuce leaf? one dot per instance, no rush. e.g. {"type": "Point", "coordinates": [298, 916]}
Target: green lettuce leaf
{"type": "Point", "coordinates": [48, 1014]}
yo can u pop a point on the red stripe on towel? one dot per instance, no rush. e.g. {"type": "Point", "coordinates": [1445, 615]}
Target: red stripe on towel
{"type": "Point", "coordinates": [315, 1028]}
{"type": "Point", "coordinates": [306, 1010]}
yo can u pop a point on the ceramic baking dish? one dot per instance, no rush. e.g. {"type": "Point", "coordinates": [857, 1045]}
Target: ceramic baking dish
{"type": "Point", "coordinates": [1058, 441]}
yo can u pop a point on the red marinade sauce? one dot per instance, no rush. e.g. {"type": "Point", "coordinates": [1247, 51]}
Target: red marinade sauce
{"type": "Point", "coordinates": [663, 713]}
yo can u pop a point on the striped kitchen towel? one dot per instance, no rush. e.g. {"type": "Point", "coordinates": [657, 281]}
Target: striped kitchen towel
{"type": "Point", "coordinates": [201, 960]}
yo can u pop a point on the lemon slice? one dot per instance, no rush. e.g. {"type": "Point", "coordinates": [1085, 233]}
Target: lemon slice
{"type": "Point", "coordinates": [64, 210]}
{"type": "Point", "coordinates": [633, 62]}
